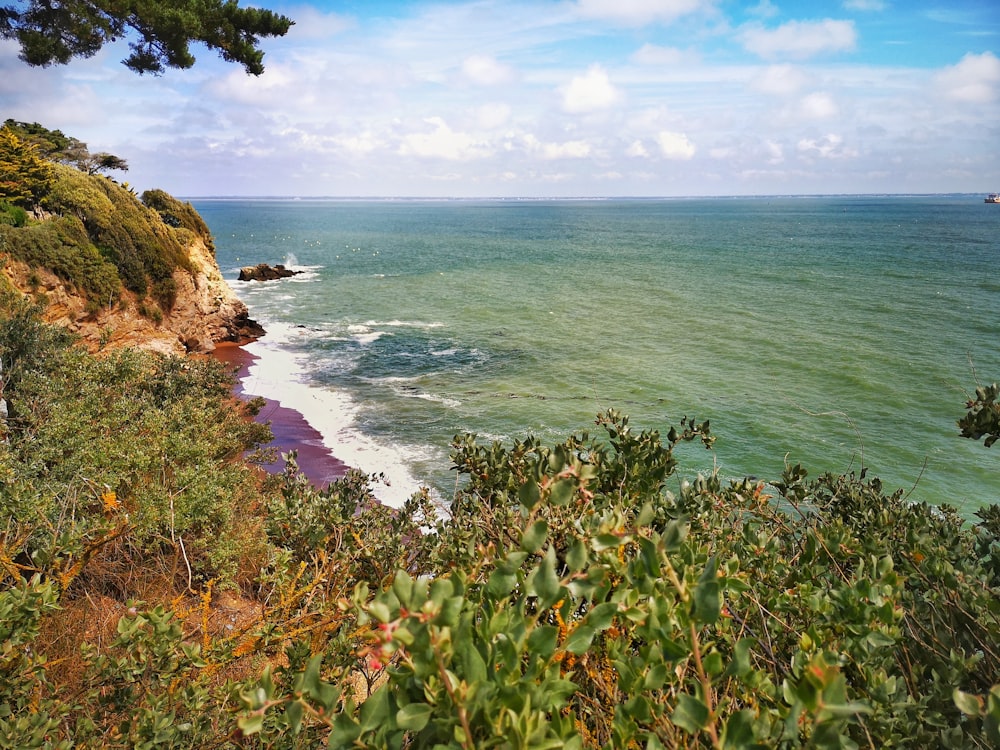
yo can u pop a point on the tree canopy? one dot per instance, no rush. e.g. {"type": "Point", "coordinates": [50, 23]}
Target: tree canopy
{"type": "Point", "coordinates": [25, 175]}
{"type": "Point", "coordinates": [55, 146]}
{"type": "Point", "coordinates": [159, 31]}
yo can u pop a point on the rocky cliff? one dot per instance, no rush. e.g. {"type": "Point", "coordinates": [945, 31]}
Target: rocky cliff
{"type": "Point", "coordinates": [206, 311]}
{"type": "Point", "coordinates": [120, 270]}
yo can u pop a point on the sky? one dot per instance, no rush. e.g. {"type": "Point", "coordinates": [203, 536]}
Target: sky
{"type": "Point", "coordinates": [555, 98]}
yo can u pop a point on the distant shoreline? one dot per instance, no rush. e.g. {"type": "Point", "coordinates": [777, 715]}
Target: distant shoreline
{"type": "Point", "coordinates": [291, 430]}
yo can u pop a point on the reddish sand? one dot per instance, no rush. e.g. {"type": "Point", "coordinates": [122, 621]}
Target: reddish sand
{"type": "Point", "coordinates": [291, 431]}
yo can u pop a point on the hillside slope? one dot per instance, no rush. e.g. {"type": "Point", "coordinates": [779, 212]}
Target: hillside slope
{"type": "Point", "coordinates": [119, 270]}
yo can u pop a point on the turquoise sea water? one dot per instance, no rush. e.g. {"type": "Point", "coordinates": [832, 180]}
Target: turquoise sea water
{"type": "Point", "coordinates": [834, 332]}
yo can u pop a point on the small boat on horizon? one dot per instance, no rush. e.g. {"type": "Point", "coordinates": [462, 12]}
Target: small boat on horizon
{"type": "Point", "coordinates": [993, 198]}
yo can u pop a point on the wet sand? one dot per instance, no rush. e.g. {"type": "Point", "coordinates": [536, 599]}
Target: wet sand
{"type": "Point", "coordinates": [291, 431]}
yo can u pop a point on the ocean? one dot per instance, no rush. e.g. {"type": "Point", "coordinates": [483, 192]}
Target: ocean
{"type": "Point", "coordinates": [836, 332]}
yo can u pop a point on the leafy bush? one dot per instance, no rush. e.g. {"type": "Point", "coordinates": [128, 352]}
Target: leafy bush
{"type": "Point", "coordinates": [983, 416]}
{"type": "Point", "coordinates": [176, 214]}
{"type": "Point", "coordinates": [61, 246]}
{"type": "Point", "coordinates": [571, 600]}
{"type": "Point", "coordinates": [578, 595]}
{"type": "Point", "coordinates": [14, 216]}
{"type": "Point", "coordinates": [131, 458]}
{"type": "Point", "coordinates": [129, 234]}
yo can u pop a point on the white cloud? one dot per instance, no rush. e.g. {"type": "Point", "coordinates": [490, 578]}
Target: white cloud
{"type": "Point", "coordinates": [312, 24]}
{"type": "Point", "coordinates": [577, 149]}
{"type": "Point", "coordinates": [800, 39]}
{"type": "Point", "coordinates": [774, 152]}
{"type": "Point", "coordinates": [640, 12]}
{"type": "Point", "coordinates": [457, 86]}
{"type": "Point", "coordinates": [781, 80]}
{"type": "Point", "coordinates": [493, 115]}
{"type": "Point", "coordinates": [764, 9]}
{"type": "Point", "coordinates": [675, 145]}
{"type": "Point", "coordinates": [637, 149]}
{"type": "Point", "coordinates": [723, 152]}
{"type": "Point", "coordinates": [653, 54]}
{"type": "Point", "coordinates": [443, 143]}
{"type": "Point", "coordinates": [360, 144]}
{"type": "Point", "coordinates": [818, 106]}
{"type": "Point", "coordinates": [975, 79]}
{"type": "Point", "coordinates": [590, 92]}
{"type": "Point", "coordinates": [484, 70]}
{"type": "Point", "coordinates": [567, 150]}
{"type": "Point", "coordinates": [828, 147]}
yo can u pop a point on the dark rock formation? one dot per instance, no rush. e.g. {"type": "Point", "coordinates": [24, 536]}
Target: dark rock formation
{"type": "Point", "coordinates": [264, 272]}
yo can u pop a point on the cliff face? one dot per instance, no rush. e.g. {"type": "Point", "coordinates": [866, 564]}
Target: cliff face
{"type": "Point", "coordinates": [123, 271]}
{"type": "Point", "coordinates": [206, 311]}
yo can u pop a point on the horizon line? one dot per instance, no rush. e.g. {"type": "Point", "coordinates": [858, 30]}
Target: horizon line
{"type": "Point", "coordinates": [502, 198]}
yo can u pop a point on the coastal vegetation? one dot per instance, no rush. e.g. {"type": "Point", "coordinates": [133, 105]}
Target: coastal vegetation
{"type": "Point", "coordinates": [158, 589]}
{"type": "Point", "coordinates": [99, 237]}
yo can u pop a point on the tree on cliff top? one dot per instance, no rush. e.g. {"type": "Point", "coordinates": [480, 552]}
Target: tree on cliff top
{"type": "Point", "coordinates": [25, 175]}
{"type": "Point", "coordinates": [159, 31]}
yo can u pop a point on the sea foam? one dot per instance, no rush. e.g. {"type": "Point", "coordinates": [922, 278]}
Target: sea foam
{"type": "Point", "coordinates": [279, 373]}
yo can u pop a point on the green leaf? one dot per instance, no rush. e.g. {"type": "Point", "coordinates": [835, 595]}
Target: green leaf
{"type": "Point", "coordinates": [841, 710]}
{"type": "Point", "coordinates": [673, 535]}
{"type": "Point", "coordinates": [646, 515]}
{"type": "Point", "coordinates": [576, 555]}
{"type": "Point", "coordinates": [708, 595]}
{"type": "Point", "coordinates": [380, 611]}
{"type": "Point", "coordinates": [534, 537]}
{"type": "Point", "coordinates": [402, 587]}
{"type": "Point", "coordinates": [655, 677]}
{"type": "Point", "coordinates": [502, 581]}
{"type": "Point", "coordinates": [475, 665]}
{"type": "Point", "coordinates": [311, 683]}
{"type": "Point", "coordinates": [414, 716]}
{"type": "Point", "coordinates": [580, 639]}
{"type": "Point", "coordinates": [546, 582]}
{"type": "Point", "coordinates": [563, 491]}
{"type": "Point", "coordinates": [542, 641]}
{"type": "Point", "coordinates": [293, 715]}
{"type": "Point", "coordinates": [738, 732]}
{"type": "Point", "coordinates": [251, 723]}
{"type": "Point", "coordinates": [878, 639]}
{"type": "Point", "coordinates": [714, 664]}
{"type": "Point", "coordinates": [602, 542]}
{"type": "Point", "coordinates": [601, 616]}
{"type": "Point", "coordinates": [375, 711]}
{"type": "Point", "coordinates": [690, 714]}
{"type": "Point", "coordinates": [740, 665]}
{"type": "Point", "coordinates": [441, 589]}
{"type": "Point", "coordinates": [529, 494]}
{"type": "Point", "coordinates": [967, 703]}
{"type": "Point", "coordinates": [345, 731]}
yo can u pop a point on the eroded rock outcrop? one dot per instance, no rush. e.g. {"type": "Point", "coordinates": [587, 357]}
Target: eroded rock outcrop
{"type": "Point", "coordinates": [264, 272]}
{"type": "Point", "coordinates": [205, 312]}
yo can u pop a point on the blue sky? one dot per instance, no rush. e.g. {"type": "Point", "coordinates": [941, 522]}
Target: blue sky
{"type": "Point", "coordinates": [556, 98]}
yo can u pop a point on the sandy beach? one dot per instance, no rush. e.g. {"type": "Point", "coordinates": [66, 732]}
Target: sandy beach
{"type": "Point", "coordinates": [291, 431]}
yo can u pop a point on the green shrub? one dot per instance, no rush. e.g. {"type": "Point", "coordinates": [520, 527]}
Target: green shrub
{"type": "Point", "coordinates": [129, 234]}
{"type": "Point", "coordinates": [165, 293]}
{"type": "Point", "coordinates": [176, 214]}
{"type": "Point", "coordinates": [158, 435]}
{"type": "Point", "coordinates": [576, 595]}
{"type": "Point", "coordinates": [14, 216]}
{"type": "Point", "coordinates": [61, 246]}
{"type": "Point", "coordinates": [571, 600]}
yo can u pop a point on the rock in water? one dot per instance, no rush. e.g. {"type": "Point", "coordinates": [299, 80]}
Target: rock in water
{"type": "Point", "coordinates": [264, 272]}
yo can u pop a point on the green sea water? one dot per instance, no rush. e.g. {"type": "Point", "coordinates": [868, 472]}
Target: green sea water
{"type": "Point", "coordinates": [835, 332]}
